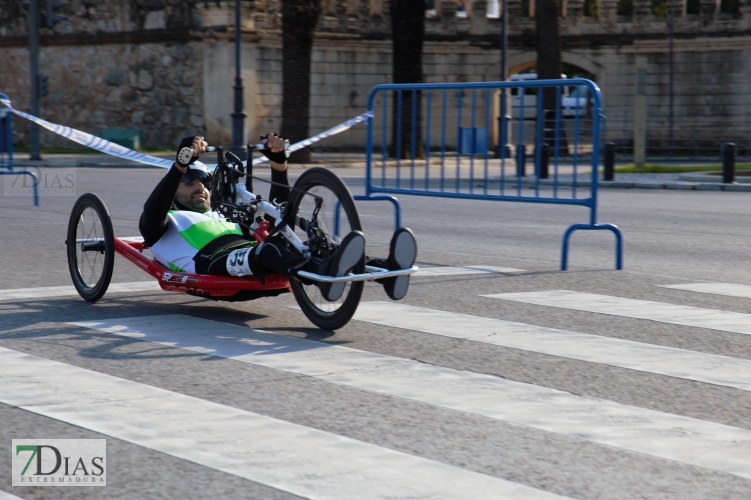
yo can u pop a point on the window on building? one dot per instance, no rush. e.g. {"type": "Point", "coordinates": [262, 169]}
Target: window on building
{"type": "Point", "coordinates": [730, 6]}
{"type": "Point", "coordinates": [625, 8]}
{"type": "Point", "coordinates": [693, 6]}
{"type": "Point", "coordinates": [525, 8]}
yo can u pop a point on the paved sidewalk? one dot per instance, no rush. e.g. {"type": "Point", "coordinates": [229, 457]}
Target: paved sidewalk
{"type": "Point", "coordinates": [347, 164]}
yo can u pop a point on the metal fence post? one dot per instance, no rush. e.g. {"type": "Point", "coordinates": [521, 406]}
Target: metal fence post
{"type": "Point", "coordinates": [728, 162]}
{"type": "Point", "coordinates": [544, 160]}
{"type": "Point", "coordinates": [609, 161]}
{"type": "Point", "coordinates": [520, 160]}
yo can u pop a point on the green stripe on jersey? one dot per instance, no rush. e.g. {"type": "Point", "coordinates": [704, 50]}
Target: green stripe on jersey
{"type": "Point", "coordinates": [201, 233]}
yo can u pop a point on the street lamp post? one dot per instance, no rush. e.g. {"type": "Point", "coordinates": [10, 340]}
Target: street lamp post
{"type": "Point", "coordinates": [34, 81]}
{"type": "Point", "coordinates": [670, 68]}
{"type": "Point", "coordinates": [239, 115]}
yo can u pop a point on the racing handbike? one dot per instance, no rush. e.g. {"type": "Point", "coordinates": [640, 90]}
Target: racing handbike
{"type": "Point", "coordinates": [320, 208]}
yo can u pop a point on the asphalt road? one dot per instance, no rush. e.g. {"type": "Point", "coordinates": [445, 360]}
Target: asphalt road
{"type": "Point", "coordinates": [580, 417]}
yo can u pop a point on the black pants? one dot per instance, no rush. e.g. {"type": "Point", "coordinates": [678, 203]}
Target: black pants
{"type": "Point", "coordinates": [217, 264]}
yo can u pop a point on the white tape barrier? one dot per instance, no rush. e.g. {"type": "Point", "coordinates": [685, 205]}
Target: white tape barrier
{"type": "Point", "coordinates": [113, 149]}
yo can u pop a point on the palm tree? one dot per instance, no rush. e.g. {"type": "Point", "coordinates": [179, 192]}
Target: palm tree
{"type": "Point", "coordinates": [548, 61]}
{"type": "Point", "coordinates": [299, 18]}
{"type": "Point", "coordinates": [408, 32]}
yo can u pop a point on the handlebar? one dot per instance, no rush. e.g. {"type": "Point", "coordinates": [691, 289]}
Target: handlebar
{"type": "Point", "coordinates": [258, 146]}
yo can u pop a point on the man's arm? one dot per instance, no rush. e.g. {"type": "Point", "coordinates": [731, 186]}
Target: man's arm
{"type": "Point", "coordinates": [275, 153]}
{"type": "Point", "coordinates": [154, 221]}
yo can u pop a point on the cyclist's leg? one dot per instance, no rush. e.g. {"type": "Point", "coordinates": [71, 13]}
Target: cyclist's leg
{"type": "Point", "coordinates": [276, 255]}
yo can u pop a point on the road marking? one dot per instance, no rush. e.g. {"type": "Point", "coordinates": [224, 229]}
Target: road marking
{"type": "Point", "coordinates": [729, 289]}
{"type": "Point", "coordinates": [713, 319]}
{"type": "Point", "coordinates": [682, 439]}
{"type": "Point", "coordinates": [286, 456]}
{"type": "Point", "coordinates": [4, 495]}
{"type": "Point", "coordinates": [670, 361]}
{"type": "Point", "coordinates": [460, 270]}
{"type": "Point", "coordinates": [64, 291]}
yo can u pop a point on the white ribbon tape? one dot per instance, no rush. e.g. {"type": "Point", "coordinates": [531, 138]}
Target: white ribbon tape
{"type": "Point", "coordinates": [119, 151]}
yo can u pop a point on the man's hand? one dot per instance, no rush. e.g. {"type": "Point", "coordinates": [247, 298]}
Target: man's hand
{"type": "Point", "coordinates": [274, 151]}
{"type": "Point", "coordinates": [190, 150]}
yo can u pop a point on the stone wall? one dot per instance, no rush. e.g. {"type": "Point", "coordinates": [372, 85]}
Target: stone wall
{"type": "Point", "coordinates": [166, 67]}
{"type": "Point", "coordinates": [152, 87]}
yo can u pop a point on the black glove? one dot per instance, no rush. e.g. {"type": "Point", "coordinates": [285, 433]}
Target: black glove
{"type": "Point", "coordinates": [279, 157]}
{"type": "Point", "coordinates": [185, 152]}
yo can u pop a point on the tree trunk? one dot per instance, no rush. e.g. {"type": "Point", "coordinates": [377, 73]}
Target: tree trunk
{"type": "Point", "coordinates": [299, 18]}
{"type": "Point", "coordinates": [408, 32]}
{"type": "Point", "coordinates": [548, 46]}
{"type": "Point", "coordinates": [549, 65]}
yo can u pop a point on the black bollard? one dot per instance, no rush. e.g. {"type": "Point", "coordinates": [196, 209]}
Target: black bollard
{"type": "Point", "coordinates": [544, 160]}
{"type": "Point", "coordinates": [520, 159]}
{"type": "Point", "coordinates": [609, 161]}
{"type": "Point", "coordinates": [728, 162]}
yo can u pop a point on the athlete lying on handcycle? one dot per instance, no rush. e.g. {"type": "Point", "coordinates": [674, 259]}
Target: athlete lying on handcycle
{"type": "Point", "coordinates": [186, 235]}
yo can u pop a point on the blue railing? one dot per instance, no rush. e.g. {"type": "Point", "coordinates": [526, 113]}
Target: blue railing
{"type": "Point", "coordinates": [452, 124]}
{"type": "Point", "coordinates": [6, 150]}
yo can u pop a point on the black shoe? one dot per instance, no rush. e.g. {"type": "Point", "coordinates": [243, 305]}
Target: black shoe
{"type": "Point", "coordinates": [350, 252]}
{"type": "Point", "coordinates": [402, 255]}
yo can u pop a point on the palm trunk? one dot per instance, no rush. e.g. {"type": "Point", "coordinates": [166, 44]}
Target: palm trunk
{"type": "Point", "coordinates": [299, 18]}
{"type": "Point", "coordinates": [549, 65]}
{"type": "Point", "coordinates": [408, 31]}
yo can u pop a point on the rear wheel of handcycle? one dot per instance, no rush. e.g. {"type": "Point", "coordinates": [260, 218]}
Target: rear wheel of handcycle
{"type": "Point", "coordinates": [91, 247]}
{"type": "Point", "coordinates": [336, 197]}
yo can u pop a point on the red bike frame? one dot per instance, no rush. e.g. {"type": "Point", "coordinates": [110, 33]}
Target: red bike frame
{"type": "Point", "coordinates": [197, 284]}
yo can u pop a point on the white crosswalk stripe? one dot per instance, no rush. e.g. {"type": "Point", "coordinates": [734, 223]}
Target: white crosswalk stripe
{"type": "Point", "coordinates": [462, 270]}
{"type": "Point", "coordinates": [682, 439]}
{"type": "Point", "coordinates": [680, 363]}
{"type": "Point", "coordinates": [728, 289]}
{"type": "Point", "coordinates": [64, 291]}
{"type": "Point", "coordinates": [7, 496]}
{"type": "Point", "coordinates": [712, 319]}
{"type": "Point", "coordinates": [313, 463]}
{"type": "Point", "coordinates": [287, 456]}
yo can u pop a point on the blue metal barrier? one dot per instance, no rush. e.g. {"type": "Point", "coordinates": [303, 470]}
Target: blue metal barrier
{"type": "Point", "coordinates": [457, 162]}
{"type": "Point", "coordinates": [6, 150]}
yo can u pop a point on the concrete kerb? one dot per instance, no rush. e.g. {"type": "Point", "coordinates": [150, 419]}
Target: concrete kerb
{"type": "Point", "coordinates": [348, 161]}
{"type": "Point", "coordinates": [695, 186]}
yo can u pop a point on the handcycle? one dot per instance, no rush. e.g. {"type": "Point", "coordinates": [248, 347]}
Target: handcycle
{"type": "Point", "coordinates": [320, 208]}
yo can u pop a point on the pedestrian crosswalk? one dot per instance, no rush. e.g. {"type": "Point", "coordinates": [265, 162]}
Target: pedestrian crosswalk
{"type": "Point", "coordinates": [692, 441]}
{"type": "Point", "coordinates": [661, 360]}
{"type": "Point", "coordinates": [315, 463]}
{"type": "Point", "coordinates": [464, 270]}
{"type": "Point", "coordinates": [280, 454]}
{"type": "Point", "coordinates": [726, 321]}
{"type": "Point", "coordinates": [728, 289]}
{"type": "Point", "coordinates": [65, 291]}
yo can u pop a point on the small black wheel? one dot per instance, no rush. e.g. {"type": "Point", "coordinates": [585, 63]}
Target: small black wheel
{"type": "Point", "coordinates": [91, 247]}
{"type": "Point", "coordinates": [335, 197]}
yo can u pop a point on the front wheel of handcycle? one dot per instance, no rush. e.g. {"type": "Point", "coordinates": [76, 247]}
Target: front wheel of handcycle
{"type": "Point", "coordinates": [91, 247]}
{"type": "Point", "coordinates": [336, 216]}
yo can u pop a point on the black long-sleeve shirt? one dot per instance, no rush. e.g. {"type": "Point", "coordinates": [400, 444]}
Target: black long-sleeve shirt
{"type": "Point", "coordinates": [154, 221]}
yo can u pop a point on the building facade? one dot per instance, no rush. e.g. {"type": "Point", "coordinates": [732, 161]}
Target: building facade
{"type": "Point", "coordinates": [166, 67]}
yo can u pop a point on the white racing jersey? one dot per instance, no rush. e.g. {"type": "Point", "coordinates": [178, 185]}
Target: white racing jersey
{"type": "Point", "coordinates": [188, 232]}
